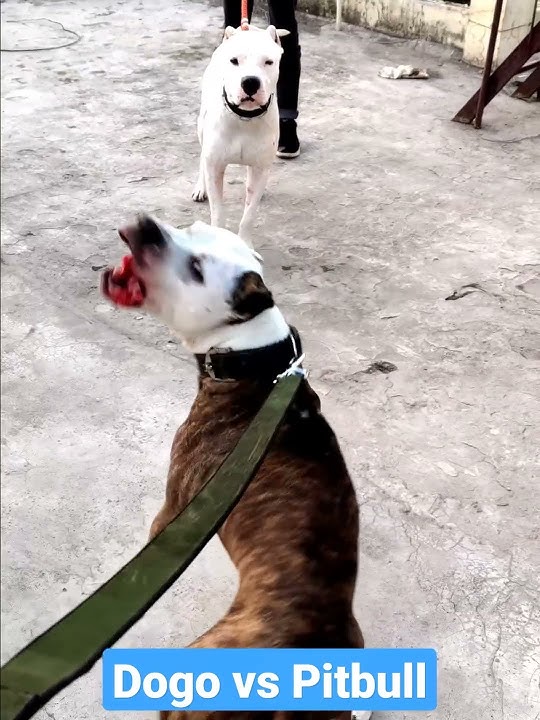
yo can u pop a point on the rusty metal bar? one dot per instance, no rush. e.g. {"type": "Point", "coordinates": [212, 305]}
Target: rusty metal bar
{"type": "Point", "coordinates": [511, 66]}
{"type": "Point", "coordinates": [488, 65]}
{"type": "Point", "coordinates": [530, 66]}
{"type": "Point", "coordinates": [529, 86]}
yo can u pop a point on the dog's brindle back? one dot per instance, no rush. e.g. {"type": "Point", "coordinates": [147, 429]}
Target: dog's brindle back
{"type": "Point", "coordinates": [293, 536]}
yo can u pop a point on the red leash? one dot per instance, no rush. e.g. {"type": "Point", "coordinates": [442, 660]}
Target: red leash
{"type": "Point", "coordinates": [244, 21]}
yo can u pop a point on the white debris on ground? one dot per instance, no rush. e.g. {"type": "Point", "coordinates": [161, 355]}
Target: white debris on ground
{"type": "Point", "coordinates": [403, 71]}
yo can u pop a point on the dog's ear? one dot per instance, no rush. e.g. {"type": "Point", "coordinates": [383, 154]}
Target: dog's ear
{"type": "Point", "coordinates": [228, 32]}
{"type": "Point", "coordinates": [276, 34]}
{"type": "Point", "coordinates": [250, 298]}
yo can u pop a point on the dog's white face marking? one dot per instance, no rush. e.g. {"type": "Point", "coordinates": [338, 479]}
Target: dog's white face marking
{"type": "Point", "coordinates": [204, 282]}
{"type": "Point", "coordinates": [250, 65]}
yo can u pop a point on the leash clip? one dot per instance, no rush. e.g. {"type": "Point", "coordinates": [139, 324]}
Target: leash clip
{"type": "Point", "coordinates": [208, 367]}
{"type": "Point", "coordinates": [294, 369]}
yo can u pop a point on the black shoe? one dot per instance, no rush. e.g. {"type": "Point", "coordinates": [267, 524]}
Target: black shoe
{"type": "Point", "coordinates": [289, 145]}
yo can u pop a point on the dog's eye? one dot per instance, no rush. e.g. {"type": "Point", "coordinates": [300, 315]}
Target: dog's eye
{"type": "Point", "coordinates": [234, 61]}
{"type": "Point", "coordinates": [269, 62]}
{"type": "Point", "coordinates": [195, 268]}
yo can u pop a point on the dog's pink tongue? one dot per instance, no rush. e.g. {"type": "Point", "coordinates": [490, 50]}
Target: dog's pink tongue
{"type": "Point", "coordinates": [122, 286]}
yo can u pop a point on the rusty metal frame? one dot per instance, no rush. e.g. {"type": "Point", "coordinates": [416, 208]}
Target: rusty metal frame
{"type": "Point", "coordinates": [526, 89]}
{"type": "Point", "coordinates": [488, 65]}
{"type": "Point", "coordinates": [493, 83]}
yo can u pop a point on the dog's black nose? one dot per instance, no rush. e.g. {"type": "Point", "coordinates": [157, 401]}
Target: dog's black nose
{"type": "Point", "coordinates": [250, 84]}
{"type": "Point", "coordinates": [145, 232]}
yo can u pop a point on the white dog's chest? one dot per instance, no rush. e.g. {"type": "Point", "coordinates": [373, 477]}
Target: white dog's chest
{"type": "Point", "coordinates": [230, 140]}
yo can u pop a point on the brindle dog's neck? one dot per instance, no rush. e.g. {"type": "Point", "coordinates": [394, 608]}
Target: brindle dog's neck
{"type": "Point", "coordinates": [248, 394]}
{"type": "Point", "coordinates": [260, 364]}
{"type": "Point", "coordinates": [233, 387]}
{"type": "Point", "coordinates": [233, 400]}
{"type": "Point", "coordinates": [229, 407]}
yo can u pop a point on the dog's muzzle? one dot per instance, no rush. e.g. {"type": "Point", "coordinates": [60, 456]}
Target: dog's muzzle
{"type": "Point", "coordinates": [247, 114]}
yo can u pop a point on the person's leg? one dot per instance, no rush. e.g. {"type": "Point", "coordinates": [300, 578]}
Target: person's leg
{"type": "Point", "coordinates": [231, 12]}
{"type": "Point", "coordinates": [283, 16]}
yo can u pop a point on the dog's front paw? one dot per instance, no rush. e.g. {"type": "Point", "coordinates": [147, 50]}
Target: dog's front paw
{"type": "Point", "coordinates": [199, 194]}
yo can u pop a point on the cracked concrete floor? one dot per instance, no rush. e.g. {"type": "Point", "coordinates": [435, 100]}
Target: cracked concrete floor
{"type": "Point", "coordinates": [389, 212]}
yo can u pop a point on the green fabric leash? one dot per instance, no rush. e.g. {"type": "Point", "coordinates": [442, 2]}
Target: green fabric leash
{"type": "Point", "coordinates": [71, 647]}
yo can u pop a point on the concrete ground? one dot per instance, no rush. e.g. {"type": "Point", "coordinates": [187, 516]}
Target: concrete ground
{"type": "Point", "coordinates": [398, 236]}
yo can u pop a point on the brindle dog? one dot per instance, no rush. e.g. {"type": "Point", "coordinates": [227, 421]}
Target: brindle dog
{"type": "Point", "coordinates": [293, 537]}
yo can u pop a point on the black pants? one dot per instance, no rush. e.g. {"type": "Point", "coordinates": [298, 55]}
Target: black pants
{"type": "Point", "coordinates": [283, 16]}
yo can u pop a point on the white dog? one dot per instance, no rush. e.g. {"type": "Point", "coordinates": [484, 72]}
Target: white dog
{"type": "Point", "coordinates": [239, 119]}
